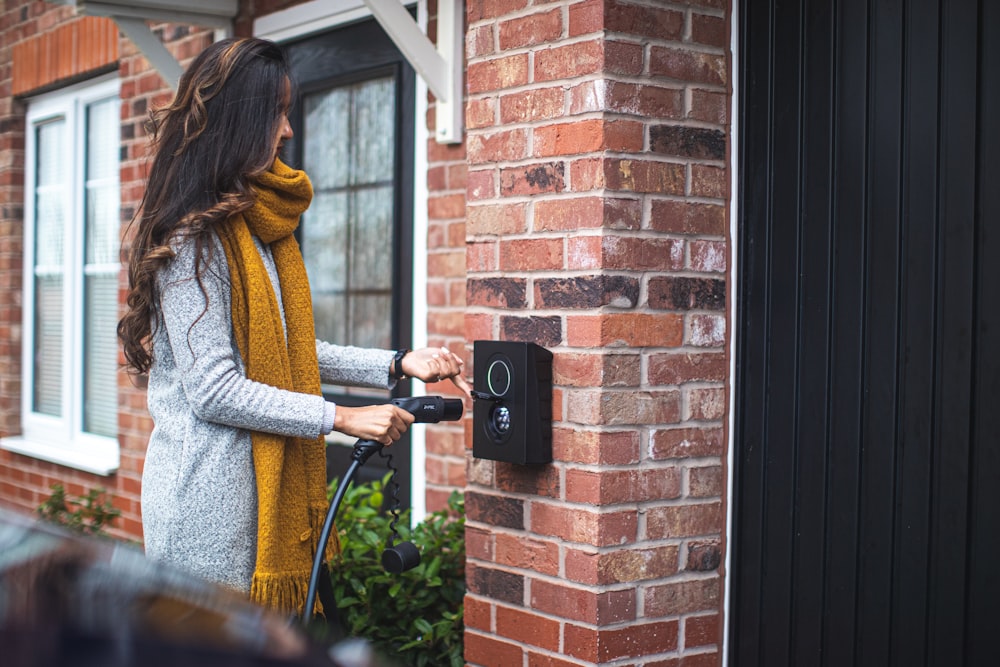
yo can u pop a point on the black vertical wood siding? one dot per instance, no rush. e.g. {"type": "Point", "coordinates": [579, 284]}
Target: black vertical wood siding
{"type": "Point", "coordinates": [867, 437]}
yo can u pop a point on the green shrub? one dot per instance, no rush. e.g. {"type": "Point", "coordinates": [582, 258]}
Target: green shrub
{"type": "Point", "coordinates": [90, 514]}
{"type": "Point", "coordinates": [416, 616]}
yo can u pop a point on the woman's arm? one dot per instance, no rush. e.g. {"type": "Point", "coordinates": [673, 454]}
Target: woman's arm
{"type": "Point", "coordinates": [199, 327]}
{"type": "Point", "coordinates": [354, 366]}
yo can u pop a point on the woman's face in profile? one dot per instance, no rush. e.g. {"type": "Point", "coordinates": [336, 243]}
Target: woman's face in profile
{"type": "Point", "coordinates": [284, 127]}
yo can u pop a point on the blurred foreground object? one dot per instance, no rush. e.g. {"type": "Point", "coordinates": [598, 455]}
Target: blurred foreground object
{"type": "Point", "coordinates": [73, 601]}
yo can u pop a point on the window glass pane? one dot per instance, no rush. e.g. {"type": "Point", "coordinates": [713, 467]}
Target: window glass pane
{"type": "Point", "coordinates": [101, 223]}
{"type": "Point", "coordinates": [100, 355]}
{"type": "Point", "coordinates": [371, 282]}
{"type": "Point", "coordinates": [48, 348]}
{"type": "Point", "coordinates": [324, 230]}
{"type": "Point", "coordinates": [102, 194]}
{"type": "Point", "coordinates": [103, 135]}
{"type": "Point", "coordinates": [327, 120]}
{"type": "Point", "coordinates": [374, 121]}
{"type": "Point", "coordinates": [324, 236]}
{"type": "Point", "coordinates": [50, 195]}
{"type": "Point", "coordinates": [369, 313]}
{"type": "Point", "coordinates": [347, 234]}
{"type": "Point", "coordinates": [372, 230]}
{"type": "Point", "coordinates": [50, 220]}
{"type": "Point", "coordinates": [330, 313]}
{"type": "Point", "coordinates": [50, 169]}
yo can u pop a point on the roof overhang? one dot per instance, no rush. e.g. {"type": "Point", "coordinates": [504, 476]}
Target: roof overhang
{"type": "Point", "coordinates": [440, 66]}
{"type": "Point", "coordinates": [209, 13]}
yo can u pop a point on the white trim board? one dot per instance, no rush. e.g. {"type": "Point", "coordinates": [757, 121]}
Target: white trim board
{"type": "Point", "coordinates": [734, 228]}
{"type": "Point", "coordinates": [309, 18]}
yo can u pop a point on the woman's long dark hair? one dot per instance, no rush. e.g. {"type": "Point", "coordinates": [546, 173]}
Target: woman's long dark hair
{"type": "Point", "coordinates": [209, 144]}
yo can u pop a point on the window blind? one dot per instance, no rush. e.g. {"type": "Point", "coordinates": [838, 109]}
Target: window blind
{"type": "Point", "coordinates": [100, 270]}
{"type": "Point", "coordinates": [51, 192]}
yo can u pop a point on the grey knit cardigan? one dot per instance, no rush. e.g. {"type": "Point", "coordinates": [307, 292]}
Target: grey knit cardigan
{"type": "Point", "coordinates": [199, 497]}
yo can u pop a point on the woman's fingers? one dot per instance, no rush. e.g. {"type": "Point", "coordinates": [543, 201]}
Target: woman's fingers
{"type": "Point", "coordinates": [434, 364]}
{"type": "Point", "coordinates": [460, 382]}
{"type": "Point", "coordinates": [381, 423]}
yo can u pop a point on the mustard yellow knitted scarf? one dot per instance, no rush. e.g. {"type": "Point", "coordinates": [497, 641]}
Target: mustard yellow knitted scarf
{"type": "Point", "coordinates": [290, 472]}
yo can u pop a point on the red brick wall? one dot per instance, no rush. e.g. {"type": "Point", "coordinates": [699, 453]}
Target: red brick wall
{"type": "Point", "coordinates": [597, 227]}
{"type": "Point", "coordinates": [16, 23]}
{"type": "Point", "coordinates": [76, 48]}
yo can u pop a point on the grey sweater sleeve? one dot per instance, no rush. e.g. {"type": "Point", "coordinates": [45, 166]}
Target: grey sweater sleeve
{"type": "Point", "coordinates": [199, 328]}
{"type": "Point", "coordinates": [354, 366]}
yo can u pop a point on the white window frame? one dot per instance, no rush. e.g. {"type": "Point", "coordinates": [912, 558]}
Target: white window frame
{"type": "Point", "coordinates": [61, 439]}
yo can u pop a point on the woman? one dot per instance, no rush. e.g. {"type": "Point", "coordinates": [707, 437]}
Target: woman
{"type": "Point", "coordinates": [220, 316]}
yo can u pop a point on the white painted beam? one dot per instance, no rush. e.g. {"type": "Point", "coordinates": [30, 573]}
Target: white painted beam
{"type": "Point", "coordinates": [450, 111]}
{"type": "Point", "coordinates": [158, 56]}
{"type": "Point", "coordinates": [440, 67]}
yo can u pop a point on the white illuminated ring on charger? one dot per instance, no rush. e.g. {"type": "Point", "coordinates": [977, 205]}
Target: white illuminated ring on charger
{"type": "Point", "coordinates": [494, 381]}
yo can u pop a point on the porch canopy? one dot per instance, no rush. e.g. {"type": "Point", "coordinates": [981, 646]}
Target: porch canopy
{"type": "Point", "coordinates": [440, 66]}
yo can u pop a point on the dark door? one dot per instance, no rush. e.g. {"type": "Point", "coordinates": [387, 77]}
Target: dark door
{"type": "Point", "coordinates": [867, 433]}
{"type": "Point", "coordinates": [353, 125]}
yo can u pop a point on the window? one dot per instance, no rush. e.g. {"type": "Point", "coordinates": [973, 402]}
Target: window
{"type": "Point", "coordinates": [348, 231]}
{"type": "Point", "coordinates": [69, 369]}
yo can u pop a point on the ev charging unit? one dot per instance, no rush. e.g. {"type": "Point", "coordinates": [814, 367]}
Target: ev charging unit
{"type": "Point", "coordinates": [512, 416]}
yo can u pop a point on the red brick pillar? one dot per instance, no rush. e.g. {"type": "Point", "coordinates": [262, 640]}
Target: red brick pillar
{"type": "Point", "coordinates": [11, 245]}
{"type": "Point", "coordinates": [597, 227]}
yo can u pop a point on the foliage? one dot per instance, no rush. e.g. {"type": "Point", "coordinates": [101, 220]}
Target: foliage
{"type": "Point", "coordinates": [416, 616]}
{"type": "Point", "coordinates": [90, 514]}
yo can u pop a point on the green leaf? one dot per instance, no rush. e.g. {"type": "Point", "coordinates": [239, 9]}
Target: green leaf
{"type": "Point", "coordinates": [415, 615]}
{"type": "Point", "coordinates": [90, 514]}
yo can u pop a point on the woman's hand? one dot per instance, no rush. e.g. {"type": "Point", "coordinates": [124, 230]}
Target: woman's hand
{"type": "Point", "coordinates": [380, 423]}
{"type": "Point", "coordinates": [433, 364]}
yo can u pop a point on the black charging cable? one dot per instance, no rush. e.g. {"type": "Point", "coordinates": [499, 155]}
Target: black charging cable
{"type": "Point", "coordinates": [397, 557]}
